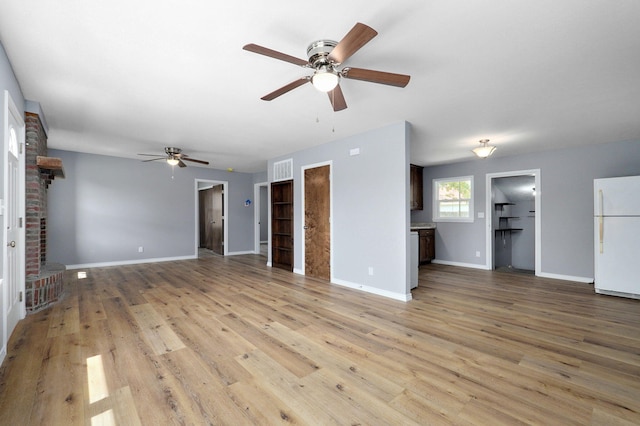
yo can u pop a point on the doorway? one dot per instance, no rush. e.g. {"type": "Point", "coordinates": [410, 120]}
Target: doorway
{"type": "Point", "coordinates": [12, 285]}
{"type": "Point", "coordinates": [261, 218]}
{"type": "Point", "coordinates": [317, 221]}
{"type": "Point", "coordinates": [211, 211]}
{"type": "Point", "coordinates": [513, 221]}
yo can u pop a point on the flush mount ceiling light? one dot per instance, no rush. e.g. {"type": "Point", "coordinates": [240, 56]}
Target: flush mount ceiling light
{"type": "Point", "coordinates": [485, 150]}
{"type": "Point", "coordinates": [325, 79]}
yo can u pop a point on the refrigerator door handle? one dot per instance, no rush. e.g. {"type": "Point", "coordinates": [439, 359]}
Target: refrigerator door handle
{"type": "Point", "coordinates": [601, 218]}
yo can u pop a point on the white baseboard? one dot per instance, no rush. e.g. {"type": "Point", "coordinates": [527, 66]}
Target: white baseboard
{"type": "Point", "coordinates": [463, 265]}
{"type": "Point", "coordinates": [129, 262]}
{"type": "Point", "coordinates": [618, 294]}
{"type": "Point", "coordinates": [585, 280]}
{"type": "Point", "coordinates": [365, 288]}
{"type": "Point", "coordinates": [239, 253]}
{"type": "Point", "coordinates": [3, 353]}
{"type": "Point", "coordinates": [373, 290]}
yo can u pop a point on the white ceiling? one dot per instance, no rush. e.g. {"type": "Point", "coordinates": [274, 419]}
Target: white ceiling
{"type": "Point", "coordinates": [122, 77]}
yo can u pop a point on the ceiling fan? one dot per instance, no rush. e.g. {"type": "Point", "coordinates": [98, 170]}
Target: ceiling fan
{"type": "Point", "coordinates": [174, 156]}
{"type": "Point", "coordinates": [324, 58]}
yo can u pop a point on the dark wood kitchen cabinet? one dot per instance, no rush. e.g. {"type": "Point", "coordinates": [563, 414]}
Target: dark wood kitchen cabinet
{"type": "Point", "coordinates": [416, 202]}
{"type": "Point", "coordinates": [282, 224]}
{"type": "Point", "coordinates": [427, 244]}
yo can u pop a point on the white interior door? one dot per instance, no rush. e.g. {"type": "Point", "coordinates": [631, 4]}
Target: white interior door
{"type": "Point", "coordinates": [13, 252]}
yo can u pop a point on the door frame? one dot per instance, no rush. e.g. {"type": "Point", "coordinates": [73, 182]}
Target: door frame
{"type": "Point", "coordinates": [257, 205]}
{"type": "Point", "coordinates": [9, 108]}
{"type": "Point", "coordinates": [489, 215]}
{"type": "Point", "coordinates": [205, 184]}
{"type": "Point", "coordinates": [302, 207]}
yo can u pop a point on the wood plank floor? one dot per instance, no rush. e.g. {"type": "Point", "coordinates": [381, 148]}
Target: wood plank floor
{"type": "Point", "coordinates": [230, 341]}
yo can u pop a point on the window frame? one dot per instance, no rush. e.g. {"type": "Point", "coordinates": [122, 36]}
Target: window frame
{"type": "Point", "coordinates": [436, 200]}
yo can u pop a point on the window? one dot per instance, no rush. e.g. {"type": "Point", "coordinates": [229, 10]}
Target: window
{"type": "Point", "coordinates": [453, 199]}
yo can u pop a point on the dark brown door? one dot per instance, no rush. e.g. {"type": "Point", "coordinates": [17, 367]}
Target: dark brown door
{"type": "Point", "coordinates": [317, 235]}
{"type": "Point", "coordinates": [211, 229]}
{"type": "Point", "coordinates": [217, 221]}
{"type": "Point", "coordinates": [204, 220]}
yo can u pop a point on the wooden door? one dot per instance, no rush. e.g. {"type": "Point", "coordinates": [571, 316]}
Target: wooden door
{"type": "Point", "coordinates": [203, 219]}
{"type": "Point", "coordinates": [211, 220]}
{"type": "Point", "coordinates": [282, 224]}
{"type": "Point", "coordinates": [317, 234]}
{"type": "Point", "coordinates": [217, 202]}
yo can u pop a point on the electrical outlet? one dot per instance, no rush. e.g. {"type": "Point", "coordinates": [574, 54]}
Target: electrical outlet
{"type": "Point", "coordinates": [140, 249]}
{"type": "Point", "coordinates": [370, 270]}
{"type": "Point", "coordinates": [477, 254]}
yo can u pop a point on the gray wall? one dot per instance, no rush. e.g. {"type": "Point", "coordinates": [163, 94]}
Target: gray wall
{"type": "Point", "coordinates": [370, 194]}
{"type": "Point", "coordinates": [566, 203]}
{"type": "Point", "coordinates": [8, 81]}
{"type": "Point", "coordinates": [107, 207]}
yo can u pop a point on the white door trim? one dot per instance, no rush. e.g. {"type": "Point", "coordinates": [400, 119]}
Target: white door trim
{"type": "Point", "coordinates": [489, 215]}
{"type": "Point", "coordinates": [205, 184]}
{"type": "Point", "coordinates": [257, 206]}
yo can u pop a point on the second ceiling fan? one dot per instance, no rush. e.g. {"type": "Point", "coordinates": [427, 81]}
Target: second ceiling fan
{"type": "Point", "coordinates": [324, 58]}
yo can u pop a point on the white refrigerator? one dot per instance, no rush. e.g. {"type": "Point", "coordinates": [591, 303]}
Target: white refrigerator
{"type": "Point", "coordinates": [617, 236]}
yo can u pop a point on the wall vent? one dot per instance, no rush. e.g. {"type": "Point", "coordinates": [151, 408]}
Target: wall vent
{"type": "Point", "coordinates": [283, 170]}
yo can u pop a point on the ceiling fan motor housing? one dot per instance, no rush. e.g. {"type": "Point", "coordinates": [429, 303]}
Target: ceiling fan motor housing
{"type": "Point", "coordinates": [319, 50]}
{"type": "Point", "coordinates": [171, 151]}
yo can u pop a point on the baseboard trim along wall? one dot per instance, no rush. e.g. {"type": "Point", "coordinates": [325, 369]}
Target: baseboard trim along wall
{"type": "Point", "coordinates": [463, 265]}
{"type": "Point", "coordinates": [585, 280]}
{"type": "Point", "coordinates": [373, 290]}
{"type": "Point", "coordinates": [238, 253]}
{"type": "Point", "coordinates": [566, 278]}
{"type": "Point", "coordinates": [129, 262]}
{"type": "Point", "coordinates": [365, 288]}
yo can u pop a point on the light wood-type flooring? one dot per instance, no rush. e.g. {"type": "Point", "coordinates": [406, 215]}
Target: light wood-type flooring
{"type": "Point", "coordinates": [230, 341]}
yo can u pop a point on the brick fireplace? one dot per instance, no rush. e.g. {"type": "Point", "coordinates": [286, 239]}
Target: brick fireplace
{"type": "Point", "coordinates": [44, 280]}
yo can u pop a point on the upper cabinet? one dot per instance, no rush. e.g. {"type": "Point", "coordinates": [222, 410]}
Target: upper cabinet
{"type": "Point", "coordinates": [416, 202]}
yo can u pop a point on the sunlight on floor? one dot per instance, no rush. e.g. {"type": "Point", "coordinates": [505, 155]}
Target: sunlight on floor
{"type": "Point", "coordinates": [104, 419]}
{"type": "Point", "coordinates": [98, 390]}
{"type": "Point", "coordinates": [97, 381]}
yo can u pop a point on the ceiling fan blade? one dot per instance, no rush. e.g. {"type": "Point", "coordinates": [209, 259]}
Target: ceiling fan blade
{"type": "Point", "coordinates": [381, 77]}
{"type": "Point", "coordinates": [275, 54]}
{"type": "Point", "coordinates": [284, 89]}
{"type": "Point", "coordinates": [357, 37]}
{"type": "Point", "coordinates": [337, 99]}
{"type": "Point", "coordinates": [154, 159]}
{"type": "Point", "coordinates": [151, 155]}
{"type": "Point", "coordinates": [181, 163]}
{"type": "Point", "coordinates": [186, 158]}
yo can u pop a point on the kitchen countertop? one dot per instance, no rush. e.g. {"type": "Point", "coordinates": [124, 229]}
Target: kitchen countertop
{"type": "Point", "coordinates": [422, 225]}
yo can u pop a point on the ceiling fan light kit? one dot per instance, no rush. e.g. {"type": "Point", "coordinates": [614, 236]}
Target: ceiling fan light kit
{"type": "Point", "coordinates": [324, 56]}
{"type": "Point", "coordinates": [325, 79]}
{"type": "Point", "coordinates": [174, 157]}
{"type": "Point", "coordinates": [485, 150]}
